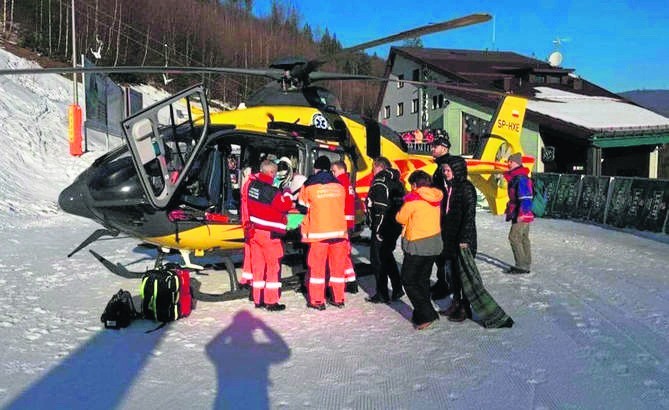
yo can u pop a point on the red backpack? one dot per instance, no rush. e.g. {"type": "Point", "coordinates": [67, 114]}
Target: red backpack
{"type": "Point", "coordinates": [185, 297]}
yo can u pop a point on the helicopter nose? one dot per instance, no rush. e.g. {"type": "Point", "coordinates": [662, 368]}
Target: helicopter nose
{"type": "Point", "coordinates": [73, 200]}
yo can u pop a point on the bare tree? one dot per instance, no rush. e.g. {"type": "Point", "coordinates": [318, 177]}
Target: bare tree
{"type": "Point", "coordinates": [118, 34]}
{"type": "Point", "coordinates": [49, 11]}
{"type": "Point", "coordinates": [11, 17]}
{"type": "Point", "coordinates": [60, 23]}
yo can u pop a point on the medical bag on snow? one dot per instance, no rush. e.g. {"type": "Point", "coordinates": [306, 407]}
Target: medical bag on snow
{"type": "Point", "coordinates": [120, 311]}
{"type": "Point", "coordinates": [166, 294]}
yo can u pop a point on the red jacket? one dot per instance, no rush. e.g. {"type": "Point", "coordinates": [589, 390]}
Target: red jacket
{"type": "Point", "coordinates": [267, 205]}
{"type": "Point", "coordinates": [245, 200]}
{"type": "Point", "coordinates": [349, 204]}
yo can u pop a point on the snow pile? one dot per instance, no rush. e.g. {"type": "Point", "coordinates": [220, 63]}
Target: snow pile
{"type": "Point", "coordinates": [35, 164]}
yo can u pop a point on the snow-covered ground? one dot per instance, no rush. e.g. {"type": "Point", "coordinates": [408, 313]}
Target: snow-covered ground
{"type": "Point", "coordinates": [592, 319]}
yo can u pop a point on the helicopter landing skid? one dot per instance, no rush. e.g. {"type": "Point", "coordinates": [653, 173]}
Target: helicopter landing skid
{"type": "Point", "coordinates": [220, 297]}
{"type": "Point", "coordinates": [117, 269]}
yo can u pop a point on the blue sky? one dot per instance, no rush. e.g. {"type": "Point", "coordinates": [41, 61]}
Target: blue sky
{"type": "Point", "coordinates": [619, 45]}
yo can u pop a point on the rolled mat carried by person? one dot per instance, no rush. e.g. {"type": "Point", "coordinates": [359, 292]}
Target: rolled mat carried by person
{"type": "Point", "coordinates": [490, 314]}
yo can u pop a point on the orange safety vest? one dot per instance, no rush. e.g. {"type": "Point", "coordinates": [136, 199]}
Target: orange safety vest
{"type": "Point", "coordinates": [324, 197]}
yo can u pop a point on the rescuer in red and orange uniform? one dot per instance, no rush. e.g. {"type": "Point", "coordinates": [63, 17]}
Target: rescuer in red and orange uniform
{"type": "Point", "coordinates": [267, 209]}
{"type": "Point", "coordinates": [322, 198]}
{"type": "Point", "coordinates": [339, 170]}
{"type": "Point", "coordinates": [247, 276]}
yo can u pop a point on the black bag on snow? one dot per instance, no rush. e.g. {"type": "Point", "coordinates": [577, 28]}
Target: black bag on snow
{"type": "Point", "coordinates": [120, 311]}
{"type": "Point", "coordinates": [160, 295]}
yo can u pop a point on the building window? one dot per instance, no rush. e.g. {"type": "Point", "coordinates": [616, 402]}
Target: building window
{"type": "Point", "coordinates": [400, 83]}
{"type": "Point", "coordinates": [414, 105]}
{"type": "Point", "coordinates": [415, 75]}
{"type": "Point", "coordinates": [400, 109]}
{"type": "Point", "coordinates": [386, 111]}
{"type": "Point", "coordinates": [553, 79]}
{"type": "Point", "coordinates": [437, 101]}
{"type": "Point", "coordinates": [473, 132]}
{"type": "Point", "coordinates": [538, 79]}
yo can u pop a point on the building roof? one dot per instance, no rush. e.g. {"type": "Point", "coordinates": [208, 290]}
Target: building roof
{"type": "Point", "coordinates": [594, 112]}
{"type": "Point", "coordinates": [570, 104]}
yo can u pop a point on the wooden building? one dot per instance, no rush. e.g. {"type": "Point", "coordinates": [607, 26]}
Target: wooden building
{"type": "Point", "coordinates": [571, 124]}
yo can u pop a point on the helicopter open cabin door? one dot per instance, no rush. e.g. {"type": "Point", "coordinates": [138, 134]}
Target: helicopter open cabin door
{"type": "Point", "coordinates": [164, 140]}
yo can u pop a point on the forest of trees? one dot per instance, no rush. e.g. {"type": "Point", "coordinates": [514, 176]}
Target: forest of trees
{"type": "Point", "coordinates": [221, 33]}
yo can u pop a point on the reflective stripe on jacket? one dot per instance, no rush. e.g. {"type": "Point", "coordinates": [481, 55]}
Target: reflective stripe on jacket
{"type": "Point", "coordinates": [324, 199]}
{"type": "Point", "coordinates": [267, 205]}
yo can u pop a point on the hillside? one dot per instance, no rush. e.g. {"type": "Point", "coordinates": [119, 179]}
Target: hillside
{"type": "Point", "coordinates": [656, 100]}
{"type": "Point", "coordinates": [189, 33]}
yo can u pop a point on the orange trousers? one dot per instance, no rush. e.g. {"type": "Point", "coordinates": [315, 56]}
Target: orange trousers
{"type": "Point", "coordinates": [247, 276]}
{"type": "Point", "coordinates": [349, 272]}
{"type": "Point", "coordinates": [334, 254]}
{"type": "Point", "coordinates": [266, 254]}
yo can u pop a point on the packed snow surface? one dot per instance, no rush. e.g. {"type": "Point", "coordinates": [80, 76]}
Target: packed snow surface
{"type": "Point", "coordinates": [591, 331]}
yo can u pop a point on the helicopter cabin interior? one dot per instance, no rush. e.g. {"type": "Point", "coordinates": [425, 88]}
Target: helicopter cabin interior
{"type": "Point", "coordinates": [214, 181]}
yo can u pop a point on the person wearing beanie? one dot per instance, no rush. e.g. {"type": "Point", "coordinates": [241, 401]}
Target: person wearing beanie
{"type": "Point", "coordinates": [519, 212]}
{"type": "Point", "coordinates": [421, 243]}
{"type": "Point", "coordinates": [322, 163]}
{"type": "Point", "coordinates": [322, 199]}
{"type": "Point", "coordinates": [440, 152]}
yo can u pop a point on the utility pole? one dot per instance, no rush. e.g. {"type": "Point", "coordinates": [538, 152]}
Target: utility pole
{"type": "Point", "coordinates": [74, 57]}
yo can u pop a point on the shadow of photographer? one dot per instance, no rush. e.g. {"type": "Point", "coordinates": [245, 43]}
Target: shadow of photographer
{"type": "Point", "coordinates": [243, 354]}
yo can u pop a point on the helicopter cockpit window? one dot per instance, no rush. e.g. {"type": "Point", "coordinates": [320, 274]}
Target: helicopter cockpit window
{"type": "Point", "coordinates": [163, 140]}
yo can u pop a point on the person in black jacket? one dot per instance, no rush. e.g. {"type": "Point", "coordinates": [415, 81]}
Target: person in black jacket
{"type": "Point", "coordinates": [384, 199]}
{"type": "Point", "coordinates": [440, 152]}
{"type": "Point", "coordinates": [458, 229]}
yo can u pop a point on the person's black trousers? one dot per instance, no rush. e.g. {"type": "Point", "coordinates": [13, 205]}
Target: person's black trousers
{"type": "Point", "coordinates": [416, 271]}
{"type": "Point", "coordinates": [383, 263]}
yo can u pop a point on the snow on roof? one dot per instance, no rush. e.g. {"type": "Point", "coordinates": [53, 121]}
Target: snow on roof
{"type": "Point", "coordinates": [594, 112]}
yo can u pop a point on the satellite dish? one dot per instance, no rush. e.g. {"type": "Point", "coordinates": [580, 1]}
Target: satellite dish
{"type": "Point", "coordinates": [555, 59]}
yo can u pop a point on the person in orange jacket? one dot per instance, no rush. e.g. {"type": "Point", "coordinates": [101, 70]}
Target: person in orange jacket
{"type": "Point", "coordinates": [322, 198]}
{"type": "Point", "coordinates": [267, 209]}
{"type": "Point", "coordinates": [421, 243]}
{"type": "Point", "coordinates": [339, 170]}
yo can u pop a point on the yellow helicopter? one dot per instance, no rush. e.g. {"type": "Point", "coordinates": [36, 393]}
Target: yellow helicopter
{"type": "Point", "coordinates": [170, 186]}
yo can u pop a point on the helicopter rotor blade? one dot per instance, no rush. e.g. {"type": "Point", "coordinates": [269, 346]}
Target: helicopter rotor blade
{"type": "Point", "coordinates": [269, 73]}
{"type": "Point", "coordinates": [421, 31]}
